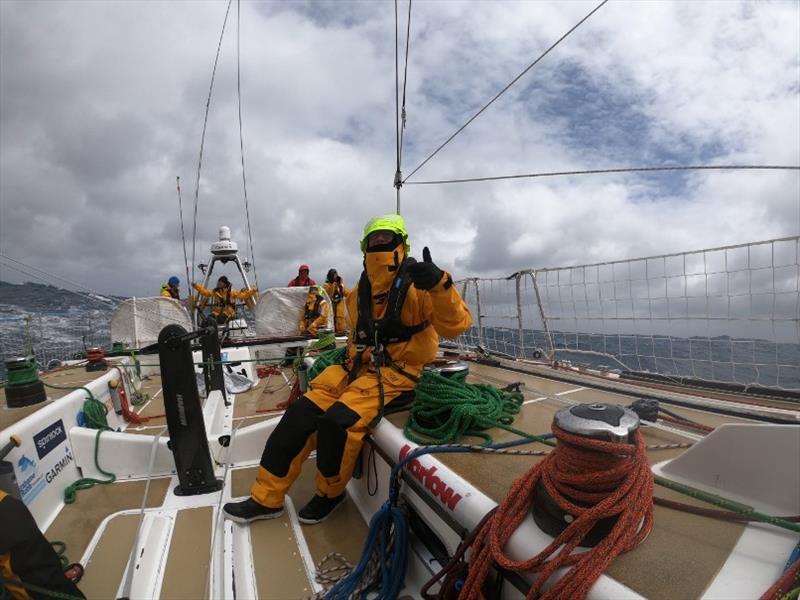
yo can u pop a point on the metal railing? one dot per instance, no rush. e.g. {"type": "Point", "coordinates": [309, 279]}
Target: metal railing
{"type": "Point", "coordinates": [49, 337]}
{"type": "Point", "coordinates": [728, 314]}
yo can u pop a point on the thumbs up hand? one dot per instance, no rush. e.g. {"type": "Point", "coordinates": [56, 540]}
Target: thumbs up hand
{"type": "Point", "coordinates": [425, 274]}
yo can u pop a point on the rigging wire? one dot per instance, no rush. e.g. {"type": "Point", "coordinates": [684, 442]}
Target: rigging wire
{"type": "Point", "coordinates": [397, 175]}
{"type": "Point", "coordinates": [92, 295]}
{"type": "Point", "coordinates": [183, 233]}
{"type": "Point", "coordinates": [505, 89]}
{"type": "Point", "coordinates": [405, 79]}
{"type": "Point", "coordinates": [203, 135]}
{"type": "Point", "coordinates": [400, 116]}
{"type": "Point", "coordinates": [613, 170]}
{"type": "Point", "coordinates": [396, 86]}
{"type": "Point", "coordinates": [82, 295]}
{"type": "Point", "coordinates": [88, 292]}
{"type": "Point", "coordinates": [241, 139]}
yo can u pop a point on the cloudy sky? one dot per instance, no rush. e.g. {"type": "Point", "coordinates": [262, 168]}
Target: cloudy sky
{"type": "Point", "coordinates": [101, 107]}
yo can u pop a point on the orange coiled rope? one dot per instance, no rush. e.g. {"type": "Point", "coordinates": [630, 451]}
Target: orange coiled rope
{"type": "Point", "coordinates": [95, 354]}
{"type": "Point", "coordinates": [612, 479]}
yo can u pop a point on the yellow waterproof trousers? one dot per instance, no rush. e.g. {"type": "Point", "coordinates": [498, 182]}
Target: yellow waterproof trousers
{"type": "Point", "coordinates": [332, 417]}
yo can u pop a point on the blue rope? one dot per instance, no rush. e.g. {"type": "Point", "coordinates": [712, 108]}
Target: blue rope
{"type": "Point", "coordinates": [394, 559]}
{"type": "Point", "coordinates": [793, 557]}
{"type": "Point", "coordinates": [394, 478]}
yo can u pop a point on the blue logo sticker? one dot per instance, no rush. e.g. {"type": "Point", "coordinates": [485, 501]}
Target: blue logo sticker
{"type": "Point", "coordinates": [25, 463]}
{"type": "Point", "coordinates": [47, 439]}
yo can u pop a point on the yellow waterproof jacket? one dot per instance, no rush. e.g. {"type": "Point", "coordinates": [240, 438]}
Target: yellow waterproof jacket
{"type": "Point", "coordinates": [315, 313]}
{"type": "Point", "coordinates": [223, 302]}
{"type": "Point", "coordinates": [165, 291]}
{"type": "Point", "coordinates": [338, 295]}
{"type": "Point", "coordinates": [442, 306]}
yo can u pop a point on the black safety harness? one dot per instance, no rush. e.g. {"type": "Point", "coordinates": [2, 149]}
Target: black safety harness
{"type": "Point", "coordinates": [313, 313]}
{"type": "Point", "coordinates": [224, 301]}
{"type": "Point", "coordinates": [338, 294]}
{"type": "Point", "coordinates": [379, 333]}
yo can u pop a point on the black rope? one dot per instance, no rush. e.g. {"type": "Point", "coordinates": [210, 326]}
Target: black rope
{"type": "Point", "coordinates": [183, 234]}
{"type": "Point", "coordinates": [504, 90]}
{"type": "Point", "coordinates": [241, 140]}
{"type": "Point", "coordinates": [203, 136]}
{"type": "Point", "coordinates": [615, 170]}
{"type": "Point", "coordinates": [405, 79]}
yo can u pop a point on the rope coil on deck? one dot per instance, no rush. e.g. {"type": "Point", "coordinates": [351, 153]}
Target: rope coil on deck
{"type": "Point", "coordinates": [448, 408]}
{"type": "Point", "coordinates": [94, 413]}
{"type": "Point", "coordinates": [589, 478]}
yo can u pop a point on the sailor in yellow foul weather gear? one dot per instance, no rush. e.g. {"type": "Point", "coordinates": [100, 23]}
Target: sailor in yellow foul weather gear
{"type": "Point", "coordinates": [26, 557]}
{"type": "Point", "coordinates": [223, 298]}
{"type": "Point", "coordinates": [395, 322]}
{"type": "Point", "coordinates": [171, 289]}
{"type": "Point", "coordinates": [338, 294]}
{"type": "Point", "coordinates": [315, 312]}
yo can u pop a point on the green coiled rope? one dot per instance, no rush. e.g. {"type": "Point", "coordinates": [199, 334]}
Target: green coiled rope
{"type": "Point", "coordinates": [448, 408]}
{"type": "Point", "coordinates": [325, 360]}
{"type": "Point", "coordinates": [95, 417]}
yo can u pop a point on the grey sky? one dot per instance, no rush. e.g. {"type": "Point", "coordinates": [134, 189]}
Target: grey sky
{"type": "Point", "coordinates": [101, 106]}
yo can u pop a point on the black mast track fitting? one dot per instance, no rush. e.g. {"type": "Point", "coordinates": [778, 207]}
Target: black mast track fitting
{"type": "Point", "coordinates": [187, 430]}
{"type": "Point", "coordinates": [212, 360]}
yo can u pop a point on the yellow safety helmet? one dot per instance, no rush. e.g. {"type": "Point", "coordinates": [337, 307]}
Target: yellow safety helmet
{"type": "Point", "coordinates": [393, 223]}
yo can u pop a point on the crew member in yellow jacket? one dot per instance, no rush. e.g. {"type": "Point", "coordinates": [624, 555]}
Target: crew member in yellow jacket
{"type": "Point", "coordinates": [315, 312]}
{"type": "Point", "coordinates": [171, 289]}
{"type": "Point", "coordinates": [223, 298]}
{"type": "Point", "coordinates": [338, 294]}
{"type": "Point", "coordinates": [400, 308]}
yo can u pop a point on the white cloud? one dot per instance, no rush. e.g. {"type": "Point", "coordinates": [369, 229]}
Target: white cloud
{"type": "Point", "coordinates": [101, 106]}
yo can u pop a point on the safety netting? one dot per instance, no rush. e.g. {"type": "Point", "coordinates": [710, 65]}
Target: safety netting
{"type": "Point", "coordinates": [726, 314]}
{"type": "Point", "coordinates": [278, 311]}
{"type": "Point", "coordinates": [138, 321]}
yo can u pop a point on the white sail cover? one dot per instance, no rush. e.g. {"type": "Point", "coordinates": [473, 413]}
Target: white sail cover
{"type": "Point", "coordinates": [138, 321]}
{"type": "Point", "coordinates": [278, 311]}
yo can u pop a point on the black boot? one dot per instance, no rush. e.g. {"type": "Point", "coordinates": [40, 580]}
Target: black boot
{"type": "Point", "coordinates": [319, 508]}
{"type": "Point", "coordinates": [249, 510]}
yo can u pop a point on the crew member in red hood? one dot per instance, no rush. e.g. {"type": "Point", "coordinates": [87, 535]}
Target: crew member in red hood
{"type": "Point", "coordinates": [302, 278]}
{"type": "Point", "coordinates": [398, 311]}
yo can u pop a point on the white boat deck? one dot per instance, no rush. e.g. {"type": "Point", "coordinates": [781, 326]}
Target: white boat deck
{"type": "Point", "coordinates": [185, 549]}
